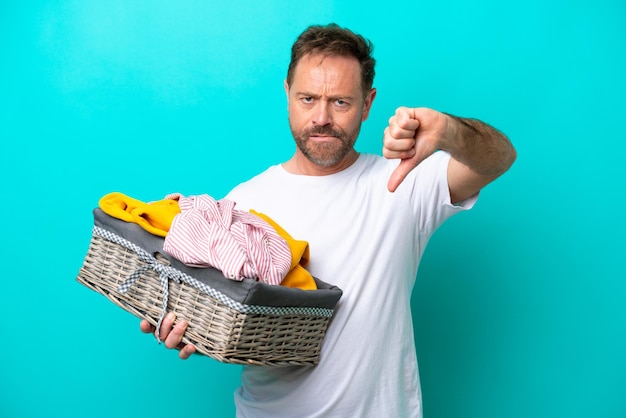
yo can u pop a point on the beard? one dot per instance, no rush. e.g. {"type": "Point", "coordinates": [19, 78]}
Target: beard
{"type": "Point", "coordinates": [325, 154]}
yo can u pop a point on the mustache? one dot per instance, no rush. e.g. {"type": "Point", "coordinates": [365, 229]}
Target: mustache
{"type": "Point", "coordinates": [324, 130]}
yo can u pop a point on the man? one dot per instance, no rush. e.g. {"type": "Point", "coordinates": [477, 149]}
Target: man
{"type": "Point", "coordinates": [367, 220]}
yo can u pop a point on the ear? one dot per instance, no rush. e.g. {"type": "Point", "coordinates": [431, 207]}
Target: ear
{"type": "Point", "coordinates": [367, 105]}
{"type": "Point", "coordinates": [286, 90]}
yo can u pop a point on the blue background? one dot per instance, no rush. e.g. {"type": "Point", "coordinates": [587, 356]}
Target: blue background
{"type": "Point", "coordinates": [519, 305]}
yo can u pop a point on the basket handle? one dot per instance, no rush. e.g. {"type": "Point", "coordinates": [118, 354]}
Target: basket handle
{"type": "Point", "coordinates": [165, 274]}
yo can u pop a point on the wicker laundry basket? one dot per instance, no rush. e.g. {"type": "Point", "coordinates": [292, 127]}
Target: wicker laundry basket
{"type": "Point", "coordinates": [245, 322]}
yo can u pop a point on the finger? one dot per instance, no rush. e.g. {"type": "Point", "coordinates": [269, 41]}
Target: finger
{"type": "Point", "coordinates": [399, 128]}
{"type": "Point", "coordinates": [405, 119]}
{"type": "Point", "coordinates": [394, 148]}
{"type": "Point", "coordinates": [166, 325]}
{"type": "Point", "coordinates": [398, 155]}
{"type": "Point", "coordinates": [400, 173]}
{"type": "Point", "coordinates": [187, 351]}
{"type": "Point", "coordinates": [406, 165]}
{"type": "Point", "coordinates": [396, 132]}
{"type": "Point", "coordinates": [146, 327]}
{"type": "Point", "coordinates": [398, 144]}
{"type": "Point", "coordinates": [176, 334]}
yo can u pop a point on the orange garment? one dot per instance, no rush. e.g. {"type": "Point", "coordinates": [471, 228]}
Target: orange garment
{"type": "Point", "coordinates": [154, 217]}
{"type": "Point", "coordinates": [298, 276]}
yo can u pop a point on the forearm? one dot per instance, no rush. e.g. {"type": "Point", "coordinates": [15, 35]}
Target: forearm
{"type": "Point", "coordinates": [481, 147]}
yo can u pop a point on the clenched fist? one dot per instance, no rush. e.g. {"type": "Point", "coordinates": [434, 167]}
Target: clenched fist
{"type": "Point", "coordinates": [413, 135]}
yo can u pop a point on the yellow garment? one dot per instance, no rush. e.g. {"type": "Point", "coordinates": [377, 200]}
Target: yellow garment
{"type": "Point", "coordinates": [154, 217]}
{"type": "Point", "coordinates": [298, 276]}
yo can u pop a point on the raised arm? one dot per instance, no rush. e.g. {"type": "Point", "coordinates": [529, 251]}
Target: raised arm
{"type": "Point", "coordinates": [480, 153]}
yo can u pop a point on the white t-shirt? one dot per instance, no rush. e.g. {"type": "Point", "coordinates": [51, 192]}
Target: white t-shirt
{"type": "Point", "coordinates": [368, 242]}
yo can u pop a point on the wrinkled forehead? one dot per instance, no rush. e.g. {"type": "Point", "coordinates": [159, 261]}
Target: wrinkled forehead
{"type": "Point", "coordinates": [328, 71]}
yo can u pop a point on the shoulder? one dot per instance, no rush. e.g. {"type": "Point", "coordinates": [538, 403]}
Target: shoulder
{"type": "Point", "coordinates": [268, 175]}
{"type": "Point", "coordinates": [250, 190]}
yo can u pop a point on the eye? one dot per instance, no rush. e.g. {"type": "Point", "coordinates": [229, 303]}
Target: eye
{"type": "Point", "coordinates": [341, 103]}
{"type": "Point", "coordinates": [307, 100]}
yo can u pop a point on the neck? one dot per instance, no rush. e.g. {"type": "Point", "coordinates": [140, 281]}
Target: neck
{"type": "Point", "coordinates": [300, 165]}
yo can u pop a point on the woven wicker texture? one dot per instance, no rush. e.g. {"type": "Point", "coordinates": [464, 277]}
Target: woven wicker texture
{"type": "Point", "coordinates": [216, 330]}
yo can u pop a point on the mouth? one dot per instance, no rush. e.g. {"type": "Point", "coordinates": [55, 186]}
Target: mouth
{"type": "Point", "coordinates": [321, 137]}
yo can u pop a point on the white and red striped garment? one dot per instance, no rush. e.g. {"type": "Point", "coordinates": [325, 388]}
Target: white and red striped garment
{"type": "Point", "coordinates": [213, 233]}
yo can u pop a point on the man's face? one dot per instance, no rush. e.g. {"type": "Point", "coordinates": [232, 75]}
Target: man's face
{"type": "Point", "coordinates": [326, 107]}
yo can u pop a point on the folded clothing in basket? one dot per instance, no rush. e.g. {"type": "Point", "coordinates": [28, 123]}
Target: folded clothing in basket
{"type": "Point", "coordinates": [248, 292]}
{"type": "Point", "coordinates": [202, 231]}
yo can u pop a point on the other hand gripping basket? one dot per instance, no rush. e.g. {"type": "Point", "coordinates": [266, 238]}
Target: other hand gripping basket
{"type": "Point", "coordinates": [245, 322]}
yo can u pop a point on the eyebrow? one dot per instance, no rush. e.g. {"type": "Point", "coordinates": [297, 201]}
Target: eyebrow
{"type": "Point", "coordinates": [335, 97]}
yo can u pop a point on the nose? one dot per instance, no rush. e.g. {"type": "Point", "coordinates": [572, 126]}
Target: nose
{"type": "Point", "coordinates": [322, 116]}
